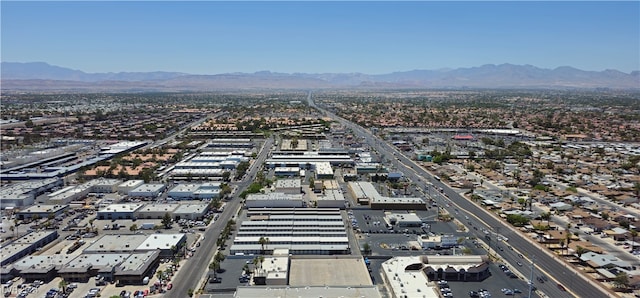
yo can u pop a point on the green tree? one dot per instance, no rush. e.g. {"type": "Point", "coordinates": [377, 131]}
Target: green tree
{"type": "Point", "coordinates": [219, 257]}
{"type": "Point", "coordinates": [263, 242]}
{"type": "Point", "coordinates": [166, 220]}
{"type": "Point", "coordinates": [517, 220]}
{"type": "Point", "coordinates": [63, 285]}
{"type": "Point", "coordinates": [621, 280]}
{"type": "Point", "coordinates": [366, 248]}
{"type": "Point", "coordinates": [133, 227]}
{"type": "Point", "coordinates": [580, 251]}
{"type": "Point", "coordinates": [546, 216]}
{"type": "Point", "coordinates": [190, 293]}
{"type": "Point", "coordinates": [261, 260]}
{"type": "Point", "coordinates": [215, 265]}
{"type": "Point", "coordinates": [226, 175]}
{"type": "Point", "coordinates": [159, 274]}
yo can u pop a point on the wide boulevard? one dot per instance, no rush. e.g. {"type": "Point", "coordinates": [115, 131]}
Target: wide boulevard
{"type": "Point", "coordinates": [524, 250]}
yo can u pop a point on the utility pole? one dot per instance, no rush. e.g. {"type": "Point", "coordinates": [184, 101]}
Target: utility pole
{"type": "Point", "coordinates": [531, 277]}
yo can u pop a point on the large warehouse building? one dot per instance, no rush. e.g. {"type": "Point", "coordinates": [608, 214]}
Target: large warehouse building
{"type": "Point", "coordinates": [365, 193]}
{"type": "Point", "coordinates": [274, 200]}
{"type": "Point", "coordinates": [301, 231]}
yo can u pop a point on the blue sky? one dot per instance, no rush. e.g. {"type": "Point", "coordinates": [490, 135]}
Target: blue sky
{"type": "Point", "coordinates": [316, 37]}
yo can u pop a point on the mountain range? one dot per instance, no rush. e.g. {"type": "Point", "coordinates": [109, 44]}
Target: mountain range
{"type": "Point", "coordinates": [40, 76]}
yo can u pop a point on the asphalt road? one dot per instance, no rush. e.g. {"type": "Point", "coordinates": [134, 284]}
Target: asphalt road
{"type": "Point", "coordinates": [556, 270]}
{"type": "Point", "coordinates": [192, 272]}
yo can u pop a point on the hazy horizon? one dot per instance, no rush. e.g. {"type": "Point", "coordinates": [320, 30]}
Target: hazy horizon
{"type": "Point", "coordinates": [320, 37]}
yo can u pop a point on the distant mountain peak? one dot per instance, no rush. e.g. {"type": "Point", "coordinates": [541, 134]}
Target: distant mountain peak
{"type": "Point", "coordinates": [506, 75]}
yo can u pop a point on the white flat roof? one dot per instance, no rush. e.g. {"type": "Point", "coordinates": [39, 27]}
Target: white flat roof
{"type": "Point", "coordinates": [191, 208]}
{"type": "Point", "coordinates": [170, 208]}
{"type": "Point", "coordinates": [116, 243]}
{"type": "Point", "coordinates": [130, 207]}
{"type": "Point", "coordinates": [131, 183]}
{"type": "Point", "coordinates": [274, 196]}
{"type": "Point", "coordinates": [161, 241]}
{"type": "Point", "coordinates": [43, 209]}
{"type": "Point", "coordinates": [288, 183]}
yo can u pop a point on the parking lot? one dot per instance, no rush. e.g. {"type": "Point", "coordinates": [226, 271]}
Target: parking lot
{"type": "Point", "coordinates": [230, 278]}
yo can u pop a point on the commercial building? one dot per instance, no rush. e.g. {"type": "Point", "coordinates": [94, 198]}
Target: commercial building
{"type": "Point", "coordinates": [78, 192]}
{"type": "Point", "coordinates": [365, 193]}
{"type": "Point", "coordinates": [85, 266]}
{"type": "Point", "coordinates": [166, 244]}
{"type": "Point", "coordinates": [403, 220]}
{"type": "Point", "coordinates": [191, 211]}
{"type": "Point", "coordinates": [125, 268]}
{"type": "Point", "coordinates": [155, 211]}
{"type": "Point", "coordinates": [437, 241]}
{"type": "Point", "coordinates": [370, 167]}
{"type": "Point", "coordinates": [330, 198]}
{"type": "Point", "coordinates": [119, 211]}
{"type": "Point", "coordinates": [274, 200]}
{"type": "Point", "coordinates": [20, 194]}
{"type": "Point", "coordinates": [68, 194]}
{"type": "Point", "coordinates": [115, 244]}
{"type": "Point", "coordinates": [129, 185]}
{"type": "Point", "coordinates": [25, 245]}
{"type": "Point", "coordinates": [333, 271]}
{"type": "Point", "coordinates": [207, 191]}
{"type": "Point", "coordinates": [307, 160]}
{"type": "Point", "coordinates": [197, 174]}
{"type": "Point", "coordinates": [288, 186]}
{"type": "Point", "coordinates": [411, 276]}
{"type": "Point", "coordinates": [301, 231]}
{"type": "Point", "coordinates": [274, 270]}
{"type": "Point", "coordinates": [104, 185]}
{"type": "Point", "coordinates": [323, 170]}
{"type": "Point", "coordinates": [195, 191]}
{"type": "Point", "coordinates": [147, 191]}
{"type": "Point", "coordinates": [136, 267]}
{"type": "Point", "coordinates": [287, 171]}
{"type": "Point", "coordinates": [306, 291]}
{"type": "Point", "coordinates": [42, 267]}
{"type": "Point", "coordinates": [41, 211]}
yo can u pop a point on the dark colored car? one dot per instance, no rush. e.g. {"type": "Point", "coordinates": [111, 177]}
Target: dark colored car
{"type": "Point", "coordinates": [561, 287]}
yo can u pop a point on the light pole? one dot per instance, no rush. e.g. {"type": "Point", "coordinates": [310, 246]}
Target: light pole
{"type": "Point", "coordinates": [531, 277]}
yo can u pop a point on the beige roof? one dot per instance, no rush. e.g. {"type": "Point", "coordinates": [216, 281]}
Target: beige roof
{"type": "Point", "coordinates": [329, 271]}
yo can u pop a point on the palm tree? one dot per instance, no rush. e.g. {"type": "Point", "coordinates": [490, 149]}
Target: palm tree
{"type": "Point", "coordinates": [159, 274]}
{"type": "Point", "coordinates": [263, 242]}
{"type": "Point", "coordinates": [546, 216]}
{"type": "Point", "coordinates": [261, 260]}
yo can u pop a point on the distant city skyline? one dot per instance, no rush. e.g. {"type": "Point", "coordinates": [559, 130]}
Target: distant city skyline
{"type": "Point", "coordinates": [320, 37]}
